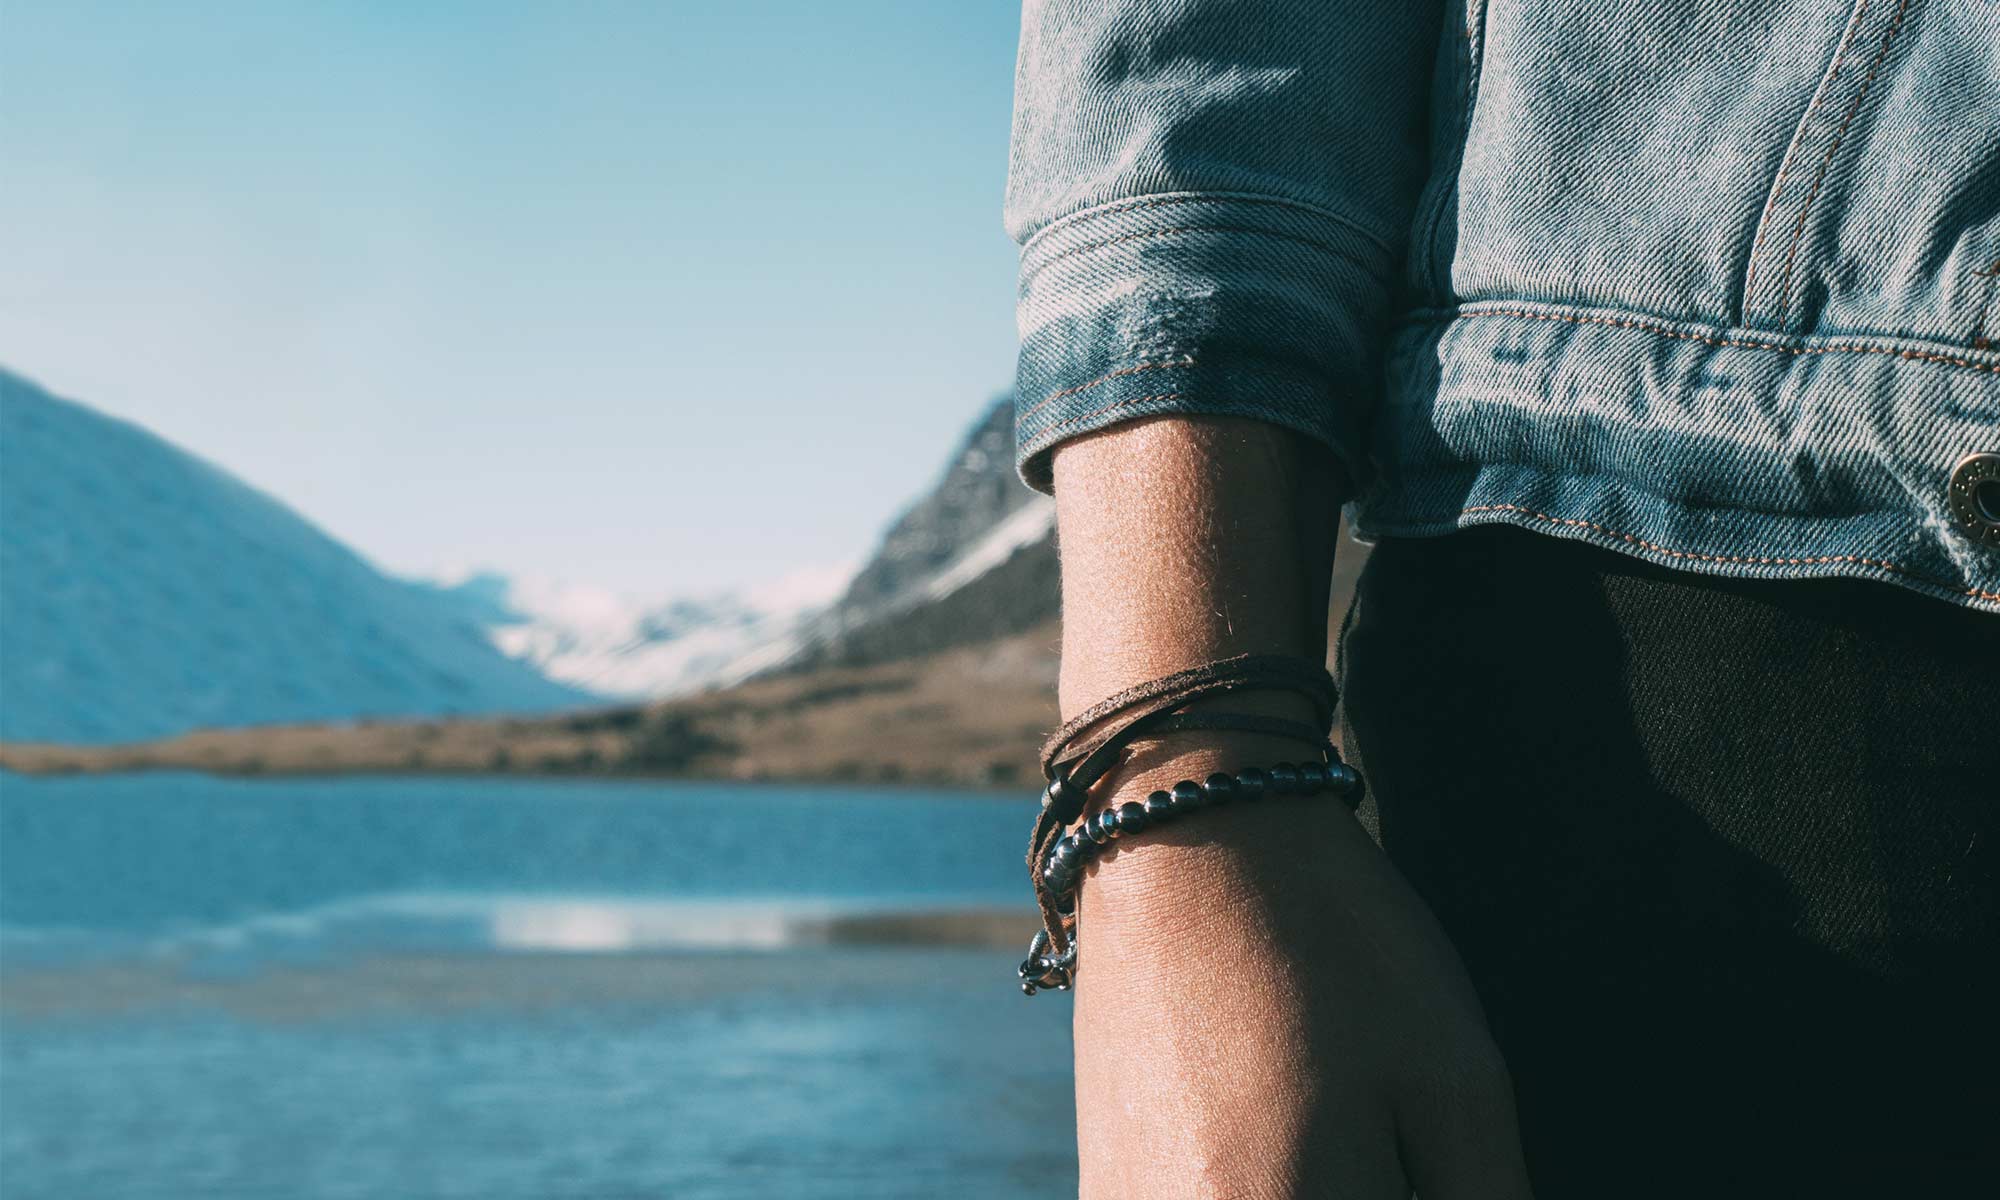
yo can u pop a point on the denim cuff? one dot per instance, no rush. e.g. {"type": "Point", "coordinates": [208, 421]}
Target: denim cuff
{"type": "Point", "coordinates": [1199, 303]}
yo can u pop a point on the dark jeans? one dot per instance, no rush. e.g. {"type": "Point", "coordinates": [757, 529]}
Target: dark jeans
{"type": "Point", "coordinates": [1719, 854]}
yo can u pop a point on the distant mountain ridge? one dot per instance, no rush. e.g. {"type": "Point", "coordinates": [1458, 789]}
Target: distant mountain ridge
{"type": "Point", "coordinates": [970, 561]}
{"type": "Point", "coordinates": [145, 592]}
{"type": "Point", "coordinates": [617, 647]}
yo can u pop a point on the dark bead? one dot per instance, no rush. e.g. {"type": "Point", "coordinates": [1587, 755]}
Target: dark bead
{"type": "Point", "coordinates": [1188, 796]}
{"type": "Point", "coordinates": [1056, 880]}
{"type": "Point", "coordinates": [1071, 851]}
{"type": "Point", "coordinates": [1159, 806]}
{"type": "Point", "coordinates": [1341, 777]}
{"type": "Point", "coordinates": [1312, 777]}
{"type": "Point", "coordinates": [1251, 783]}
{"type": "Point", "coordinates": [1132, 817]}
{"type": "Point", "coordinates": [1065, 798]}
{"type": "Point", "coordinates": [1095, 829]}
{"type": "Point", "coordinates": [1284, 779]}
{"type": "Point", "coordinates": [1221, 788]}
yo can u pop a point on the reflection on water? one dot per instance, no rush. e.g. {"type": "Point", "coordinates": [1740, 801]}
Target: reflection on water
{"type": "Point", "coordinates": [394, 988]}
{"type": "Point", "coordinates": [504, 923]}
{"type": "Point", "coordinates": [578, 926]}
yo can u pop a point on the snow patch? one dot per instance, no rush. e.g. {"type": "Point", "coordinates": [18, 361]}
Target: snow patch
{"type": "Point", "coordinates": [1025, 526]}
{"type": "Point", "coordinates": [615, 645]}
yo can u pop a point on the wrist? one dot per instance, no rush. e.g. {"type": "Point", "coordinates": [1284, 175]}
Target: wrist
{"type": "Point", "coordinates": [1092, 744]}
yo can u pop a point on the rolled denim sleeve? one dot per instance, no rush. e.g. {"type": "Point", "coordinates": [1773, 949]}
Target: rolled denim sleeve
{"type": "Point", "coordinates": [1213, 199]}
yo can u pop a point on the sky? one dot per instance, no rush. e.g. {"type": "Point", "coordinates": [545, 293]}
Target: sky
{"type": "Point", "coordinates": [662, 298]}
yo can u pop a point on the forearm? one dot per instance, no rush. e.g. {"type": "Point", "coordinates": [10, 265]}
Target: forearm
{"type": "Point", "coordinates": [1198, 1043]}
{"type": "Point", "coordinates": [1187, 539]}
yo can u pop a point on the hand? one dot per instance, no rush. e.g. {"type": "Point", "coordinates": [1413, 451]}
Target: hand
{"type": "Point", "coordinates": [1264, 1008]}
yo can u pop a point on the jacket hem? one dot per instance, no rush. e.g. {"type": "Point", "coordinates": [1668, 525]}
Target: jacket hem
{"type": "Point", "coordinates": [1718, 450]}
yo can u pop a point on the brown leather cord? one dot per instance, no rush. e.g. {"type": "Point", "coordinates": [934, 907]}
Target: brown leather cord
{"type": "Point", "coordinates": [1303, 731]}
{"type": "Point", "coordinates": [1244, 671]}
{"type": "Point", "coordinates": [1093, 761]}
{"type": "Point", "coordinates": [1074, 758]}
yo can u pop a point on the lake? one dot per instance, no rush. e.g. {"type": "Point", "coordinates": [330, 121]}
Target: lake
{"type": "Point", "coordinates": [503, 988]}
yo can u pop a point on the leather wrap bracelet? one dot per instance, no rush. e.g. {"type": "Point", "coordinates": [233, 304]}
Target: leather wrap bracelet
{"type": "Point", "coordinates": [1091, 744]}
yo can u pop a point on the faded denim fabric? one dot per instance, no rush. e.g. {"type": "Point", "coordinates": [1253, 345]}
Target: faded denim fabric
{"type": "Point", "coordinates": [1709, 281]}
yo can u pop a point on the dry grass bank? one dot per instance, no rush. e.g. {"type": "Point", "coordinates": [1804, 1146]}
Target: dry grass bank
{"type": "Point", "coordinates": [970, 716]}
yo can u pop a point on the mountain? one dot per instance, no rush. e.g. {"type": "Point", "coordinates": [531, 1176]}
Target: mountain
{"type": "Point", "coordinates": [614, 646]}
{"type": "Point", "coordinates": [144, 593]}
{"type": "Point", "coordinates": [971, 561]}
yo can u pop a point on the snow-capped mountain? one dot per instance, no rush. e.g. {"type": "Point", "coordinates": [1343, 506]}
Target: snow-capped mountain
{"type": "Point", "coordinates": [144, 592]}
{"type": "Point", "coordinates": [971, 560]}
{"type": "Point", "coordinates": [616, 646]}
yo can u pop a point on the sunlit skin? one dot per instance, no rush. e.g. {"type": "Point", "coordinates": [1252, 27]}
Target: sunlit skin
{"type": "Point", "coordinates": [1265, 1008]}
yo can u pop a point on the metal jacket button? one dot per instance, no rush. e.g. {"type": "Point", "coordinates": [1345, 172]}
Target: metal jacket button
{"type": "Point", "coordinates": [1975, 498]}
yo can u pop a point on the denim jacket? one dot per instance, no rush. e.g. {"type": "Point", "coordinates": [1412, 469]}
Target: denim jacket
{"type": "Point", "coordinates": [1712, 282]}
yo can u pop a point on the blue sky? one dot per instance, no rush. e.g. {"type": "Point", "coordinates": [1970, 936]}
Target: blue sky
{"type": "Point", "coordinates": [660, 297]}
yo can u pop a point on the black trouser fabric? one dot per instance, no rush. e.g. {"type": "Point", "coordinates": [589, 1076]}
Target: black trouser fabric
{"type": "Point", "coordinates": [1719, 854]}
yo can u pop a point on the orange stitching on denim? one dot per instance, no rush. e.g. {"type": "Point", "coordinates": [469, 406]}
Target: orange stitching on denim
{"type": "Point", "coordinates": [1663, 331]}
{"type": "Point", "coordinates": [1812, 197]}
{"type": "Point", "coordinates": [1785, 168]}
{"type": "Point", "coordinates": [1052, 397]}
{"type": "Point", "coordinates": [1059, 426]}
{"type": "Point", "coordinates": [1852, 559]}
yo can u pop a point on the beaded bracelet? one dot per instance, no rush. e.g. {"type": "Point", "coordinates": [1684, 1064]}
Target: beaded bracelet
{"type": "Point", "coordinates": [1091, 744]}
{"type": "Point", "coordinates": [1063, 867]}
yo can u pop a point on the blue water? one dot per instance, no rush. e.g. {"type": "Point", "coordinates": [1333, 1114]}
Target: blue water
{"type": "Point", "coordinates": [475, 988]}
